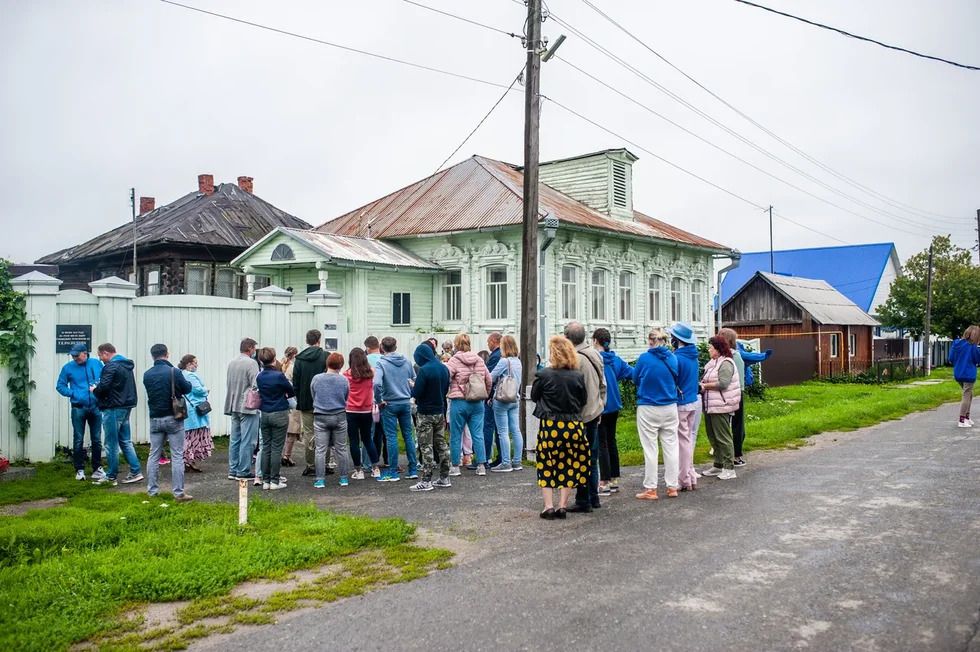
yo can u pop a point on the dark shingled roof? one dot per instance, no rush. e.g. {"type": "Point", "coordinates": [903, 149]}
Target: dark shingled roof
{"type": "Point", "coordinates": [230, 217]}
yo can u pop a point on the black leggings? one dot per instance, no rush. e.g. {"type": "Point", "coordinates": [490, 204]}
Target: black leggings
{"type": "Point", "coordinates": [608, 448]}
{"type": "Point", "coordinates": [738, 427]}
{"type": "Point", "coordinates": [359, 425]}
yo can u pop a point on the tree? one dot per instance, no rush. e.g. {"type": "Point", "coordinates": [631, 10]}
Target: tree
{"type": "Point", "coordinates": [955, 292]}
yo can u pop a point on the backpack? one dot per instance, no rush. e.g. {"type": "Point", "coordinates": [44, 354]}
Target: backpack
{"type": "Point", "coordinates": [507, 387]}
{"type": "Point", "coordinates": [475, 388]}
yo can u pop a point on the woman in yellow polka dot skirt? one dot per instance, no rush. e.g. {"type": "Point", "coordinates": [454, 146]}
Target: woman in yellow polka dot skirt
{"type": "Point", "coordinates": [562, 453]}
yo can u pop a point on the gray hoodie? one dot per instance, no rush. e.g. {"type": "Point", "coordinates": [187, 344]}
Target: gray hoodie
{"type": "Point", "coordinates": [392, 378]}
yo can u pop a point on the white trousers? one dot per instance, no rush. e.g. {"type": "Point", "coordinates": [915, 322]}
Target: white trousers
{"type": "Point", "coordinates": [658, 424]}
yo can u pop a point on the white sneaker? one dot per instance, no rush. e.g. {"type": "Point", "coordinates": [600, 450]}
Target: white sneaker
{"type": "Point", "coordinates": [421, 486]}
{"type": "Point", "coordinates": [357, 475]}
{"type": "Point", "coordinates": [970, 421]}
{"type": "Point", "coordinates": [454, 471]}
{"type": "Point", "coordinates": [502, 468]}
{"type": "Point", "coordinates": [266, 485]}
{"type": "Point", "coordinates": [727, 474]}
{"type": "Point", "coordinates": [961, 424]}
{"type": "Point", "coordinates": [711, 471]}
{"type": "Point", "coordinates": [98, 474]}
{"type": "Point", "coordinates": [283, 479]}
{"type": "Point", "coordinates": [80, 475]}
{"type": "Point", "coordinates": [273, 486]}
{"type": "Point", "coordinates": [481, 469]}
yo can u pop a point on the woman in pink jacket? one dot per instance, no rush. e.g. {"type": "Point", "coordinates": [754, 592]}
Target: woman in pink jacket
{"type": "Point", "coordinates": [721, 393]}
{"type": "Point", "coordinates": [467, 402]}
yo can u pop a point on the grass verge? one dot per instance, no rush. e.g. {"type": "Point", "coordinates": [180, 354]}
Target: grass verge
{"type": "Point", "coordinates": [790, 414]}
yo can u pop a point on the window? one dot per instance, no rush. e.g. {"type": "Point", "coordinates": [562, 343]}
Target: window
{"type": "Point", "coordinates": [497, 293]}
{"type": "Point", "coordinates": [262, 282]}
{"type": "Point", "coordinates": [196, 279]}
{"type": "Point", "coordinates": [599, 294]}
{"type": "Point", "coordinates": [675, 299]}
{"type": "Point", "coordinates": [852, 344]}
{"type": "Point", "coordinates": [834, 345]}
{"type": "Point", "coordinates": [401, 308]}
{"type": "Point", "coordinates": [569, 292]}
{"type": "Point", "coordinates": [626, 296]}
{"type": "Point", "coordinates": [283, 252]}
{"type": "Point", "coordinates": [452, 296]}
{"type": "Point", "coordinates": [697, 301]}
{"type": "Point", "coordinates": [655, 297]}
{"type": "Point", "coordinates": [312, 287]}
{"type": "Point", "coordinates": [153, 282]}
{"type": "Point", "coordinates": [620, 195]}
{"type": "Point", "coordinates": [226, 283]}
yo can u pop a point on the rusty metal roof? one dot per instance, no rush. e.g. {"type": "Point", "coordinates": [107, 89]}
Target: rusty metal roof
{"type": "Point", "coordinates": [359, 250]}
{"type": "Point", "coordinates": [480, 193]}
{"type": "Point", "coordinates": [229, 217]}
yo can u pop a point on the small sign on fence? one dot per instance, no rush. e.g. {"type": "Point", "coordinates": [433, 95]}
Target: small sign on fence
{"type": "Point", "coordinates": [68, 335]}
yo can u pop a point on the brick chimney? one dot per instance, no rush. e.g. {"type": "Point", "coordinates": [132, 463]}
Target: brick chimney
{"type": "Point", "coordinates": [147, 204]}
{"type": "Point", "coordinates": [205, 183]}
{"type": "Point", "coordinates": [245, 183]}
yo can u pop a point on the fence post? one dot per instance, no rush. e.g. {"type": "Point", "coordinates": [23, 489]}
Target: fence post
{"type": "Point", "coordinates": [326, 311]}
{"type": "Point", "coordinates": [42, 309]}
{"type": "Point", "coordinates": [274, 322]}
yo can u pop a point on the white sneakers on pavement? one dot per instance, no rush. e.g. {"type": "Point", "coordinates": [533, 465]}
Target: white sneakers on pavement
{"type": "Point", "coordinates": [727, 474]}
{"type": "Point", "coordinates": [711, 471]}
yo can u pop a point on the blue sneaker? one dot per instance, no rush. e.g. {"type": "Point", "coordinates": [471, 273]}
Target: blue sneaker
{"type": "Point", "coordinates": [393, 477]}
{"type": "Point", "coordinates": [344, 481]}
{"type": "Point", "coordinates": [319, 484]}
{"type": "Point", "coordinates": [413, 475]}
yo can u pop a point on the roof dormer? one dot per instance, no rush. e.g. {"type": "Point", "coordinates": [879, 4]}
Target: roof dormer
{"type": "Point", "coordinates": [602, 180]}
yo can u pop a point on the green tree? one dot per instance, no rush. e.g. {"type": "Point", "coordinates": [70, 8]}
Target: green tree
{"type": "Point", "coordinates": [955, 292]}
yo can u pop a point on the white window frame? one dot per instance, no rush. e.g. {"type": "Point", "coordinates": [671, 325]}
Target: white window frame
{"type": "Point", "coordinates": [676, 299]}
{"type": "Point", "coordinates": [496, 293]}
{"type": "Point", "coordinates": [697, 301]}
{"type": "Point", "coordinates": [153, 281]}
{"type": "Point", "coordinates": [598, 303]}
{"type": "Point", "coordinates": [400, 320]}
{"type": "Point", "coordinates": [452, 296]}
{"type": "Point", "coordinates": [569, 292]}
{"type": "Point", "coordinates": [834, 345]}
{"type": "Point", "coordinates": [235, 282]}
{"type": "Point", "coordinates": [205, 282]}
{"type": "Point", "coordinates": [655, 294]}
{"type": "Point", "coordinates": [626, 295]}
{"type": "Point", "coordinates": [852, 341]}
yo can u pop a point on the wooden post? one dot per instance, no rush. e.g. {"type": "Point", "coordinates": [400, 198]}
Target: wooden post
{"type": "Point", "coordinates": [242, 502]}
{"type": "Point", "coordinates": [926, 334]}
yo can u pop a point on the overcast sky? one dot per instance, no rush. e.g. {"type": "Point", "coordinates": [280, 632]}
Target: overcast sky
{"type": "Point", "coordinates": [99, 96]}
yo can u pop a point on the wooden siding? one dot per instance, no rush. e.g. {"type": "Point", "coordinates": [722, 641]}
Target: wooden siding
{"type": "Point", "coordinates": [760, 303]}
{"type": "Point", "coordinates": [587, 180]}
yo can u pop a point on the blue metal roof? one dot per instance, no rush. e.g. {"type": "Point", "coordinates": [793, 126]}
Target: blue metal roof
{"type": "Point", "coordinates": [855, 270]}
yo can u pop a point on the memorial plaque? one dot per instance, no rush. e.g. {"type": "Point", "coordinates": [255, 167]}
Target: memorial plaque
{"type": "Point", "coordinates": [68, 335]}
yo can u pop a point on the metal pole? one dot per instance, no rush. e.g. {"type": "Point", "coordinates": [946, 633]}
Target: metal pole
{"type": "Point", "coordinates": [132, 204]}
{"type": "Point", "coordinates": [926, 334]}
{"type": "Point", "coordinates": [772, 264]}
{"type": "Point", "coordinates": [978, 235]}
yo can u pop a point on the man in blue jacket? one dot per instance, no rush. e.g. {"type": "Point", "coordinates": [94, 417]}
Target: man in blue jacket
{"type": "Point", "coordinates": [76, 381]}
{"type": "Point", "coordinates": [429, 391]}
{"type": "Point", "coordinates": [163, 384]}
{"type": "Point", "coordinates": [116, 396]}
{"type": "Point", "coordinates": [490, 436]}
{"type": "Point", "coordinates": [393, 378]}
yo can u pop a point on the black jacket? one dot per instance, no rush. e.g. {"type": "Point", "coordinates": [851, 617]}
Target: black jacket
{"type": "Point", "coordinates": [117, 385]}
{"type": "Point", "coordinates": [157, 381]}
{"type": "Point", "coordinates": [310, 362]}
{"type": "Point", "coordinates": [559, 394]}
{"type": "Point", "coordinates": [431, 382]}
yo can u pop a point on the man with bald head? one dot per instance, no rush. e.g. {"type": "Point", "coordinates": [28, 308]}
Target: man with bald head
{"type": "Point", "coordinates": [590, 364]}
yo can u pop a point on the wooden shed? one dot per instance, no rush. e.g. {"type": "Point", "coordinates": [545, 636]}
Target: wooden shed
{"type": "Point", "coordinates": [813, 329]}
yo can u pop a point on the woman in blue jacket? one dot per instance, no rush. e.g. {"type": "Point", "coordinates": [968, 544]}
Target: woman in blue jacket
{"type": "Point", "coordinates": [615, 369]}
{"type": "Point", "coordinates": [688, 402]}
{"type": "Point", "coordinates": [199, 444]}
{"type": "Point", "coordinates": [655, 377]}
{"type": "Point", "coordinates": [965, 356]}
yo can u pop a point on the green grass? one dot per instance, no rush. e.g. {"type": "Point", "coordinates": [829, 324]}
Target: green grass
{"type": "Point", "coordinates": [51, 480]}
{"type": "Point", "coordinates": [790, 414]}
{"type": "Point", "coordinates": [78, 572]}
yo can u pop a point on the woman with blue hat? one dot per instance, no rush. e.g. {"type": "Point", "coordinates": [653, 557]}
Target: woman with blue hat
{"type": "Point", "coordinates": [688, 401]}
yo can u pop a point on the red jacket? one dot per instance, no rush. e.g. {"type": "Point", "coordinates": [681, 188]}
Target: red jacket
{"type": "Point", "coordinates": [361, 396]}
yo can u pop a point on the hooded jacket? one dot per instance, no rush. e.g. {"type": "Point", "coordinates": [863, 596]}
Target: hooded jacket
{"type": "Point", "coordinates": [615, 370]}
{"type": "Point", "coordinates": [392, 377]}
{"type": "Point", "coordinates": [117, 385]}
{"type": "Point", "coordinates": [964, 356]}
{"type": "Point", "coordinates": [462, 365]}
{"type": "Point", "coordinates": [75, 379]}
{"type": "Point", "coordinates": [687, 374]}
{"type": "Point", "coordinates": [157, 381]}
{"type": "Point", "coordinates": [309, 362]}
{"type": "Point", "coordinates": [432, 383]}
{"type": "Point", "coordinates": [750, 359]}
{"type": "Point", "coordinates": [655, 377]}
{"type": "Point", "coordinates": [591, 366]}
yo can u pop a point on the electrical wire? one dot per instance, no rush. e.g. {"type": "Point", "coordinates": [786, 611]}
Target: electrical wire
{"type": "Point", "coordinates": [839, 175]}
{"type": "Point", "coordinates": [465, 20]}
{"type": "Point", "coordinates": [860, 38]}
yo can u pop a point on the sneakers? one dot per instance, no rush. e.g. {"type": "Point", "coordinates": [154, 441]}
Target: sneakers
{"type": "Point", "coordinates": [503, 467]}
{"type": "Point", "coordinates": [184, 498]}
{"type": "Point", "coordinates": [454, 471]}
{"type": "Point", "coordinates": [516, 466]}
{"type": "Point", "coordinates": [965, 424]}
{"type": "Point", "coordinates": [421, 486]}
{"type": "Point", "coordinates": [604, 490]}
{"type": "Point", "coordinates": [106, 480]}
{"type": "Point", "coordinates": [257, 481]}
{"type": "Point", "coordinates": [344, 481]}
{"type": "Point", "coordinates": [740, 461]}
{"type": "Point", "coordinates": [98, 474]}
{"type": "Point", "coordinates": [80, 475]}
{"type": "Point", "coordinates": [614, 486]}
{"type": "Point", "coordinates": [309, 471]}
{"type": "Point", "coordinates": [414, 475]}
{"type": "Point", "coordinates": [266, 486]}
{"type": "Point", "coordinates": [375, 472]}
{"type": "Point", "coordinates": [319, 484]}
{"type": "Point", "coordinates": [389, 477]}
{"type": "Point", "coordinates": [273, 486]}
{"type": "Point", "coordinates": [727, 474]}
{"type": "Point", "coordinates": [442, 483]}
{"type": "Point", "coordinates": [714, 470]}
{"type": "Point", "coordinates": [481, 469]}
{"type": "Point", "coordinates": [357, 475]}
{"type": "Point", "coordinates": [131, 478]}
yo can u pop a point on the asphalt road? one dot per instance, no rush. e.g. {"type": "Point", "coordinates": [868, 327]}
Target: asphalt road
{"type": "Point", "coordinates": [862, 541]}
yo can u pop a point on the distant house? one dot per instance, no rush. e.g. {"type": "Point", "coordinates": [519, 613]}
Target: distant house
{"type": "Point", "coordinates": [813, 329]}
{"type": "Point", "coordinates": [862, 273]}
{"type": "Point", "coordinates": [184, 247]}
{"type": "Point", "coordinates": [444, 255]}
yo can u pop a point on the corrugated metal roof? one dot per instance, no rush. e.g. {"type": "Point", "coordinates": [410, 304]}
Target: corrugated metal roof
{"type": "Point", "coordinates": [480, 193]}
{"type": "Point", "coordinates": [825, 304]}
{"type": "Point", "coordinates": [229, 217]}
{"type": "Point", "coordinates": [360, 250]}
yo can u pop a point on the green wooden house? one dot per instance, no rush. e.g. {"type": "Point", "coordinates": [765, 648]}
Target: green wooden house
{"type": "Point", "coordinates": [442, 255]}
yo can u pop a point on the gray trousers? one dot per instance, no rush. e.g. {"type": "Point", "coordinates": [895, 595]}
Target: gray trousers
{"type": "Point", "coordinates": [330, 432]}
{"type": "Point", "coordinates": [967, 400]}
{"type": "Point", "coordinates": [161, 430]}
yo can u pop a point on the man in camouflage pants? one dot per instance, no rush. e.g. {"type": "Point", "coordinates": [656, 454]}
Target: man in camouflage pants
{"type": "Point", "coordinates": [431, 387]}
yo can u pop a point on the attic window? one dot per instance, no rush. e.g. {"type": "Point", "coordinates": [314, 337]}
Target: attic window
{"type": "Point", "coordinates": [283, 252]}
{"type": "Point", "coordinates": [620, 195]}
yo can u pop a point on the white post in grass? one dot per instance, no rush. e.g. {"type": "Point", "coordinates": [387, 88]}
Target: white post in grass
{"type": "Point", "coordinates": [242, 502]}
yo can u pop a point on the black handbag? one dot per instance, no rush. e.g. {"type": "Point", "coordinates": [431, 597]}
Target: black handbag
{"type": "Point", "coordinates": [178, 402]}
{"type": "Point", "coordinates": [203, 408]}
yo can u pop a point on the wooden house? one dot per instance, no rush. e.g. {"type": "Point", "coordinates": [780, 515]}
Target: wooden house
{"type": "Point", "coordinates": [813, 329]}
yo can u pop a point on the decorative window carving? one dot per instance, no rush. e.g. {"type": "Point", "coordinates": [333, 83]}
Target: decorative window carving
{"type": "Point", "coordinates": [569, 292]}
{"type": "Point", "coordinates": [655, 298]}
{"type": "Point", "coordinates": [676, 299]}
{"type": "Point", "coordinates": [599, 290]}
{"type": "Point", "coordinates": [626, 296]}
{"type": "Point", "coordinates": [697, 301]}
{"type": "Point", "coordinates": [283, 252]}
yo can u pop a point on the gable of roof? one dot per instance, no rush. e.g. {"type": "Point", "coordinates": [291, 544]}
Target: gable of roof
{"type": "Point", "coordinates": [229, 217]}
{"type": "Point", "coordinates": [480, 193]}
{"type": "Point", "coordinates": [817, 297]}
{"type": "Point", "coordinates": [853, 270]}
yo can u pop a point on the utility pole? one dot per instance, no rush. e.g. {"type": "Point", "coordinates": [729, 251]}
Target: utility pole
{"type": "Point", "coordinates": [529, 242]}
{"type": "Point", "coordinates": [978, 235]}
{"type": "Point", "coordinates": [132, 204]}
{"type": "Point", "coordinates": [772, 262]}
{"type": "Point", "coordinates": [926, 334]}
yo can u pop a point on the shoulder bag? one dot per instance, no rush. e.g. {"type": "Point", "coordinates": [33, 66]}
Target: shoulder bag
{"type": "Point", "coordinates": [507, 387]}
{"type": "Point", "coordinates": [178, 402]}
{"type": "Point", "coordinates": [476, 386]}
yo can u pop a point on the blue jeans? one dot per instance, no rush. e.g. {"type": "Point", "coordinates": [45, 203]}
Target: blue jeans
{"type": "Point", "coordinates": [491, 432]}
{"type": "Point", "coordinates": [589, 495]}
{"type": "Point", "coordinates": [166, 429]}
{"type": "Point", "coordinates": [466, 413]}
{"type": "Point", "coordinates": [115, 424]}
{"type": "Point", "coordinates": [79, 417]}
{"type": "Point", "coordinates": [395, 415]}
{"type": "Point", "coordinates": [507, 417]}
{"type": "Point", "coordinates": [244, 434]}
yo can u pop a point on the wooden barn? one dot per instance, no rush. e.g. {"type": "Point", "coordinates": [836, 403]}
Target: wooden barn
{"type": "Point", "coordinates": [813, 329]}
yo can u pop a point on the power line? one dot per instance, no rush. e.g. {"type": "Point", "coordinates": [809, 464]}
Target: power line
{"type": "Point", "coordinates": [839, 175]}
{"type": "Point", "coordinates": [465, 20]}
{"type": "Point", "coordinates": [860, 38]}
{"type": "Point", "coordinates": [346, 48]}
